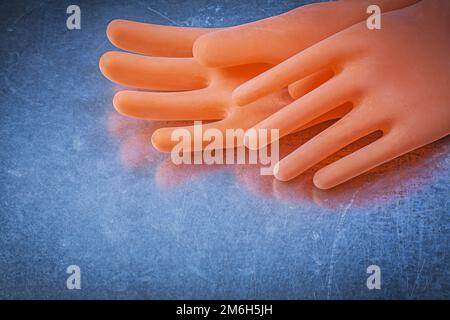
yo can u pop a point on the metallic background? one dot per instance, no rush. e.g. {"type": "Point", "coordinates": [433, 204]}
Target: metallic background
{"type": "Point", "coordinates": [81, 185]}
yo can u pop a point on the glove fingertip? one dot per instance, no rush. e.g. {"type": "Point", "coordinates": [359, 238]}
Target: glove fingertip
{"type": "Point", "coordinates": [204, 50]}
{"type": "Point", "coordinates": [320, 181]}
{"type": "Point", "coordinates": [160, 142]}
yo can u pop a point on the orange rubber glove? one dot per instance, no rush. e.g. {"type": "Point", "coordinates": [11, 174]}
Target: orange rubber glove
{"type": "Point", "coordinates": [397, 79]}
{"type": "Point", "coordinates": [212, 87]}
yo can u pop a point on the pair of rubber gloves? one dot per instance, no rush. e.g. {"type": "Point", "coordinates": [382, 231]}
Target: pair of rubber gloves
{"type": "Point", "coordinates": [395, 79]}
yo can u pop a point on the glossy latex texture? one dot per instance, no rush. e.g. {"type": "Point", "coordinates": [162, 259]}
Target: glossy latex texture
{"type": "Point", "coordinates": [396, 78]}
{"type": "Point", "coordinates": [161, 60]}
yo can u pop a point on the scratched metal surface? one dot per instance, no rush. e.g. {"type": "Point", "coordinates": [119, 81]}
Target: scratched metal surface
{"type": "Point", "coordinates": [81, 185]}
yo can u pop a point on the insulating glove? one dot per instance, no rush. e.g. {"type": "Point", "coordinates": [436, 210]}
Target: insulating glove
{"type": "Point", "coordinates": [164, 63]}
{"type": "Point", "coordinates": [396, 78]}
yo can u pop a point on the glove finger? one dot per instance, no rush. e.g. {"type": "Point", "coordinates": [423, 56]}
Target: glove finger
{"type": "Point", "coordinates": [174, 106]}
{"type": "Point", "coordinates": [153, 73]}
{"type": "Point", "coordinates": [382, 150]}
{"type": "Point", "coordinates": [162, 138]}
{"type": "Point", "coordinates": [301, 87]}
{"type": "Point", "coordinates": [347, 130]}
{"type": "Point", "coordinates": [153, 39]}
{"type": "Point", "coordinates": [327, 97]}
{"type": "Point", "coordinates": [324, 55]}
